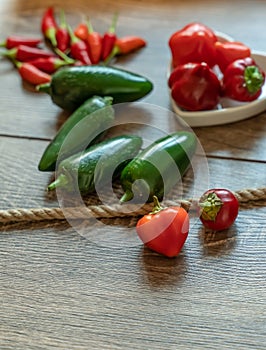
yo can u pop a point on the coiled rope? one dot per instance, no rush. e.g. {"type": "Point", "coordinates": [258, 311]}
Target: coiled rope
{"type": "Point", "coordinates": [246, 198]}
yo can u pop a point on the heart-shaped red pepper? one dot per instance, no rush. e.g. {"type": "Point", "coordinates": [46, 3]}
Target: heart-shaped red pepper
{"type": "Point", "coordinates": [164, 230]}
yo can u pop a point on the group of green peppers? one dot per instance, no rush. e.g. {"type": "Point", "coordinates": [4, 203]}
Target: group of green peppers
{"type": "Point", "coordinates": [86, 161]}
{"type": "Point", "coordinates": [196, 55]}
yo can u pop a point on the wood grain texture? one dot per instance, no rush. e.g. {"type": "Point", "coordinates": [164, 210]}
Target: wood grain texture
{"type": "Point", "coordinates": [92, 285]}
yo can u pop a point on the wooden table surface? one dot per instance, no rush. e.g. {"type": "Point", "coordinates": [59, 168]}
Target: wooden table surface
{"type": "Point", "coordinates": [62, 290]}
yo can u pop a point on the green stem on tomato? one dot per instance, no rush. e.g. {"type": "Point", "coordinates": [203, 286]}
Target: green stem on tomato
{"type": "Point", "coordinates": [156, 206]}
{"type": "Point", "coordinates": [253, 79]}
{"type": "Point", "coordinates": [211, 205]}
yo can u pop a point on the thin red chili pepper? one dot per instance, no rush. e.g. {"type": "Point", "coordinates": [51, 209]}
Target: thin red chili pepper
{"type": "Point", "coordinates": [78, 49]}
{"type": "Point", "coordinates": [126, 45]}
{"type": "Point", "coordinates": [62, 34]}
{"type": "Point", "coordinates": [49, 26]}
{"type": "Point", "coordinates": [16, 40]}
{"type": "Point", "coordinates": [109, 39]}
{"type": "Point", "coordinates": [25, 53]}
{"type": "Point", "coordinates": [49, 64]}
{"type": "Point", "coordinates": [82, 31]}
{"type": "Point", "coordinates": [32, 74]}
{"type": "Point", "coordinates": [94, 40]}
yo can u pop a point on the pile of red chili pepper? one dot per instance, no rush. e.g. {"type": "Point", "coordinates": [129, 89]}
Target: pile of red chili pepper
{"type": "Point", "coordinates": [205, 69]}
{"type": "Point", "coordinates": [37, 58]}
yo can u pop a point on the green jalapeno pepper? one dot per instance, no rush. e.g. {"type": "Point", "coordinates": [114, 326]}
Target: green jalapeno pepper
{"type": "Point", "coordinates": [71, 86]}
{"type": "Point", "coordinates": [157, 168]}
{"type": "Point", "coordinates": [99, 114]}
{"type": "Point", "coordinates": [96, 165]}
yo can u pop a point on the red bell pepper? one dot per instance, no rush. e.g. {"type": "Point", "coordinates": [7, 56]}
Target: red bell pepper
{"type": "Point", "coordinates": [194, 86]}
{"type": "Point", "coordinates": [230, 51]}
{"type": "Point", "coordinates": [164, 230]}
{"type": "Point", "coordinates": [243, 80]}
{"type": "Point", "coordinates": [193, 43]}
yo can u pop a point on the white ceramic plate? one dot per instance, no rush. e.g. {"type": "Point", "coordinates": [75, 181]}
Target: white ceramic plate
{"type": "Point", "coordinates": [228, 111]}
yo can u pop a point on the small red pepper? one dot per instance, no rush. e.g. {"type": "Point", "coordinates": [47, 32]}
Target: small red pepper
{"type": "Point", "coordinates": [193, 43]}
{"type": "Point", "coordinates": [109, 39]}
{"type": "Point", "coordinates": [25, 53]}
{"type": "Point", "coordinates": [128, 44]}
{"type": "Point", "coordinates": [32, 74]}
{"type": "Point", "coordinates": [230, 51]}
{"type": "Point", "coordinates": [94, 40]}
{"type": "Point", "coordinates": [49, 26]}
{"type": "Point", "coordinates": [243, 80]}
{"type": "Point", "coordinates": [50, 64]}
{"type": "Point", "coordinates": [81, 31]}
{"type": "Point", "coordinates": [194, 86]}
{"type": "Point", "coordinates": [164, 230]}
{"type": "Point", "coordinates": [218, 209]}
{"type": "Point", "coordinates": [78, 48]}
{"type": "Point", "coordinates": [62, 34]}
{"type": "Point", "coordinates": [16, 40]}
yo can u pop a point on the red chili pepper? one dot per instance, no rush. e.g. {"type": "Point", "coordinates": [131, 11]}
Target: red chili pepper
{"type": "Point", "coordinates": [193, 43]}
{"type": "Point", "coordinates": [243, 80]}
{"type": "Point", "coordinates": [49, 26]}
{"type": "Point", "coordinates": [94, 40]}
{"type": "Point", "coordinates": [109, 39]}
{"type": "Point", "coordinates": [32, 74]}
{"type": "Point", "coordinates": [164, 230]}
{"type": "Point", "coordinates": [25, 53]}
{"type": "Point", "coordinates": [16, 40]}
{"type": "Point", "coordinates": [194, 86]}
{"type": "Point", "coordinates": [78, 48]}
{"type": "Point", "coordinates": [229, 51]}
{"type": "Point", "coordinates": [62, 34]}
{"type": "Point", "coordinates": [49, 64]}
{"type": "Point", "coordinates": [126, 45]}
{"type": "Point", "coordinates": [81, 31]}
{"type": "Point", "coordinates": [218, 209]}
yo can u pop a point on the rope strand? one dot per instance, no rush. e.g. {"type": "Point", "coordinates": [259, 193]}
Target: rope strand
{"type": "Point", "coordinates": [252, 197]}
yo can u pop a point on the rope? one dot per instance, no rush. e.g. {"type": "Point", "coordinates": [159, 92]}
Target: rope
{"type": "Point", "coordinates": [246, 197]}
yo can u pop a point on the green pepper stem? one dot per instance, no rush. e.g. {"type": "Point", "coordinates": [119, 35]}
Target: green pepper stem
{"type": "Point", "coordinates": [44, 88]}
{"type": "Point", "coordinates": [113, 25]}
{"type": "Point", "coordinates": [10, 53]}
{"type": "Point", "coordinates": [115, 51]}
{"type": "Point", "coordinates": [156, 205]}
{"type": "Point", "coordinates": [211, 205]}
{"type": "Point", "coordinates": [127, 196]}
{"type": "Point", "coordinates": [64, 57]}
{"type": "Point", "coordinates": [253, 79]}
{"type": "Point", "coordinates": [61, 181]}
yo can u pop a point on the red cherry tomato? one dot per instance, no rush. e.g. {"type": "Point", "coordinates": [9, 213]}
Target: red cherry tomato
{"type": "Point", "coordinates": [218, 209]}
{"type": "Point", "coordinates": [164, 230]}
